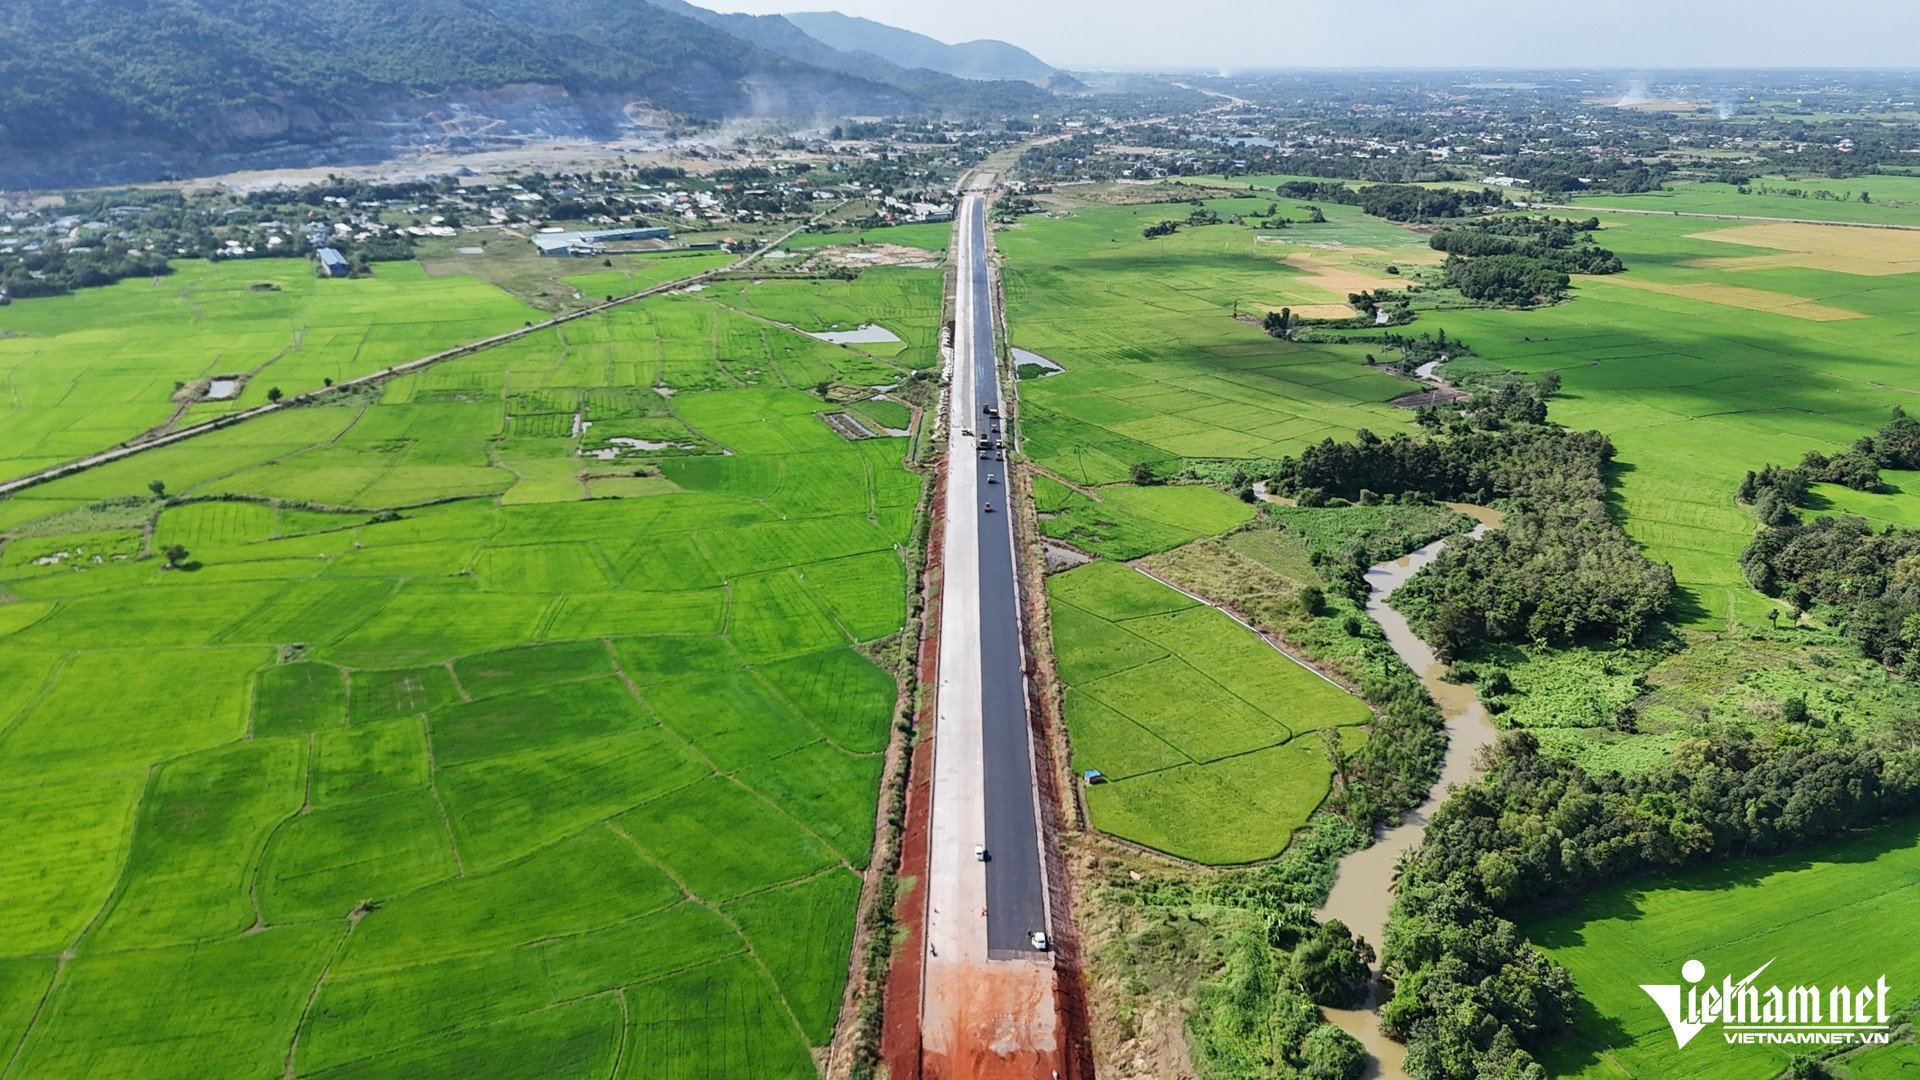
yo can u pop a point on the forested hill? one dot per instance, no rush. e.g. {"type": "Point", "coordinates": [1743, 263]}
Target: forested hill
{"type": "Point", "coordinates": [110, 89]}
{"type": "Point", "coordinates": [927, 69]}
{"type": "Point", "coordinates": [985, 59]}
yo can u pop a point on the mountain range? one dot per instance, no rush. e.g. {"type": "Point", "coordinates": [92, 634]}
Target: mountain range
{"type": "Point", "coordinates": [117, 90]}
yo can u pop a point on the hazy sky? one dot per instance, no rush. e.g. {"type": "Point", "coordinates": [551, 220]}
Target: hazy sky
{"type": "Point", "coordinates": [1427, 33]}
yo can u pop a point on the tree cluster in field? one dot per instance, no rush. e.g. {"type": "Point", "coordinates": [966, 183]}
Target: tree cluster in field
{"type": "Point", "coordinates": [1581, 171]}
{"type": "Point", "coordinates": [1521, 261]}
{"type": "Point", "coordinates": [1395, 202]}
{"type": "Point", "coordinates": [1201, 215]}
{"type": "Point", "coordinates": [1471, 996]}
{"type": "Point", "coordinates": [1559, 570]}
{"type": "Point", "coordinates": [1010, 206]}
{"type": "Point", "coordinates": [1775, 491]}
{"type": "Point", "coordinates": [1867, 579]}
{"type": "Point", "coordinates": [1566, 245]}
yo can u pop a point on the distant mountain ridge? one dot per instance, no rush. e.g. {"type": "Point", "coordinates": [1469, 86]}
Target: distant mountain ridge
{"type": "Point", "coordinates": [108, 91]}
{"type": "Point", "coordinates": [900, 70]}
{"type": "Point", "coordinates": [983, 59]}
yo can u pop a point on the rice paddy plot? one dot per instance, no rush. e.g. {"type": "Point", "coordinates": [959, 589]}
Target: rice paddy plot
{"type": "Point", "coordinates": [462, 750]}
{"type": "Point", "coordinates": [98, 367]}
{"type": "Point", "coordinates": [1157, 366]}
{"type": "Point", "coordinates": [1732, 917]}
{"type": "Point", "coordinates": [1206, 736]}
{"type": "Point", "coordinates": [905, 301]}
{"type": "Point", "coordinates": [1129, 522]}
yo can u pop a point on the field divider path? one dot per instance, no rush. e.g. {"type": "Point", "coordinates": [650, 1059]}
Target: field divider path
{"type": "Point", "coordinates": [773, 984]}
{"type": "Point", "coordinates": [67, 954]}
{"type": "Point", "coordinates": [150, 441]}
{"type": "Point", "coordinates": [691, 747]}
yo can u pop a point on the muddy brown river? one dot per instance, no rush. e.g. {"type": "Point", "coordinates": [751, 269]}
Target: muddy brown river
{"type": "Point", "coordinates": [1362, 886]}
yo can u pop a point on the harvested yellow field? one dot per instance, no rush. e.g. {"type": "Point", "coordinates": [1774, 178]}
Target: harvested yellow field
{"type": "Point", "coordinates": [1843, 249]}
{"type": "Point", "coordinates": [1739, 296]}
{"type": "Point", "coordinates": [1340, 280]}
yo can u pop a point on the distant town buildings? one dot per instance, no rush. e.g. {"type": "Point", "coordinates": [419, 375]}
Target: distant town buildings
{"type": "Point", "coordinates": [332, 263]}
{"type": "Point", "coordinates": [559, 244]}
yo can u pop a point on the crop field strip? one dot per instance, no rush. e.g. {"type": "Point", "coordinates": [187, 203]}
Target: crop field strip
{"type": "Point", "coordinates": [431, 793]}
{"type": "Point", "coordinates": [1820, 915]}
{"type": "Point", "coordinates": [1208, 738]}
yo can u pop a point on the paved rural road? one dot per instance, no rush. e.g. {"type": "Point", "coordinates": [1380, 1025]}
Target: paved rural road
{"type": "Point", "coordinates": [1016, 904]}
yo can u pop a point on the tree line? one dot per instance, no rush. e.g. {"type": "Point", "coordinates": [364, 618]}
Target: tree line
{"type": "Point", "coordinates": [1395, 202]}
{"type": "Point", "coordinates": [1863, 578]}
{"type": "Point", "coordinates": [54, 271]}
{"type": "Point", "coordinates": [1472, 998]}
{"type": "Point", "coordinates": [1559, 570]}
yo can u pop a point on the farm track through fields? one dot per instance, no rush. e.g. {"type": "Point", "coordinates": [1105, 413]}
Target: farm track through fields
{"type": "Point", "coordinates": [150, 441]}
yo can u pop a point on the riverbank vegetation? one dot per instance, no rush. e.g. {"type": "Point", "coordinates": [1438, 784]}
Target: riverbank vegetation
{"type": "Point", "coordinates": [1559, 570]}
{"type": "Point", "coordinates": [1473, 997]}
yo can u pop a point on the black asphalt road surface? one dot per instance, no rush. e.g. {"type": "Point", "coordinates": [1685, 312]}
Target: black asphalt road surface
{"type": "Point", "coordinates": [1016, 904]}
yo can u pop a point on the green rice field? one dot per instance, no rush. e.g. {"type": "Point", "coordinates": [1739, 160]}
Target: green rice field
{"type": "Point", "coordinates": [1694, 391]}
{"type": "Point", "coordinates": [1157, 368]}
{"type": "Point", "coordinates": [514, 720]}
{"type": "Point", "coordinates": [905, 301]}
{"type": "Point", "coordinates": [1893, 200]}
{"type": "Point", "coordinates": [1127, 522]}
{"type": "Point", "coordinates": [1821, 916]}
{"type": "Point", "coordinates": [1209, 739]}
{"type": "Point", "coordinates": [81, 373]}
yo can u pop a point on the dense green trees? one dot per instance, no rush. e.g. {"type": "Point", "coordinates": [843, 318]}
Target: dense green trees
{"type": "Point", "coordinates": [1471, 995]}
{"type": "Point", "coordinates": [1559, 570]}
{"type": "Point", "coordinates": [1869, 580]}
{"type": "Point", "coordinates": [1395, 202]}
{"type": "Point", "coordinates": [1521, 261]}
{"type": "Point", "coordinates": [1333, 966]}
{"type": "Point", "coordinates": [1507, 280]}
{"type": "Point", "coordinates": [53, 271]}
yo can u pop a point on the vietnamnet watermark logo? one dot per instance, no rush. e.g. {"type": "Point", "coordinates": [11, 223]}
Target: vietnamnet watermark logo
{"type": "Point", "coordinates": [1838, 1015]}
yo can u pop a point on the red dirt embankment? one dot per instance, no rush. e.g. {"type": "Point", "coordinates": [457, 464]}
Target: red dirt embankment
{"type": "Point", "coordinates": [900, 1038]}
